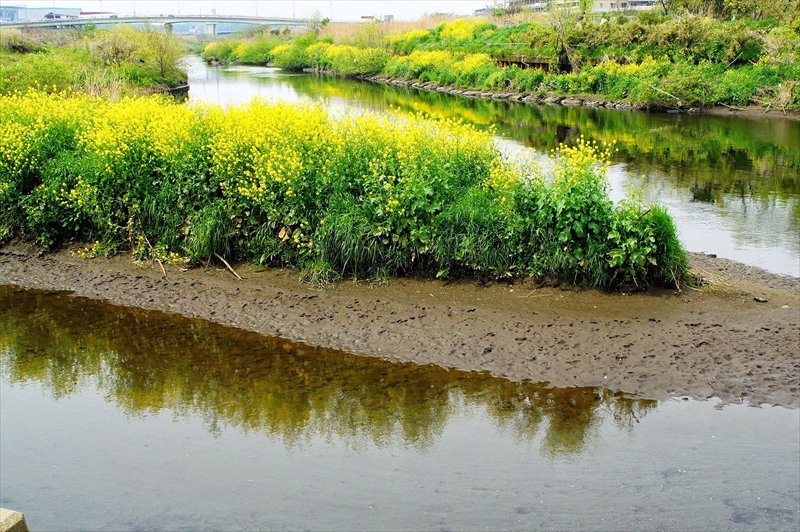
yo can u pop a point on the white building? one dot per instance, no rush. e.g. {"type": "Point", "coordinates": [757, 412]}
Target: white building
{"type": "Point", "coordinates": [34, 14]}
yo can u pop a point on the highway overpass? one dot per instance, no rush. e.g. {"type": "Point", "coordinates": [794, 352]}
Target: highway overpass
{"type": "Point", "coordinates": [210, 21]}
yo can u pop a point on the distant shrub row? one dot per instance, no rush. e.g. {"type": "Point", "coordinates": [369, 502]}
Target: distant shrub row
{"type": "Point", "coordinates": [655, 60]}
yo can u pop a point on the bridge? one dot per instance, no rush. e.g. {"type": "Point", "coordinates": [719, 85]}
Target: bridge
{"type": "Point", "coordinates": [210, 21]}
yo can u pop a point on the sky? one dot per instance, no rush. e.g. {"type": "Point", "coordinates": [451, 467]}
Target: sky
{"type": "Point", "coordinates": [337, 10]}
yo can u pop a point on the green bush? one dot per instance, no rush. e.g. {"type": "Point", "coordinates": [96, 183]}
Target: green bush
{"type": "Point", "coordinates": [257, 52]}
{"type": "Point", "coordinates": [291, 57]}
{"type": "Point", "coordinates": [350, 60]}
{"type": "Point", "coordinates": [220, 51]}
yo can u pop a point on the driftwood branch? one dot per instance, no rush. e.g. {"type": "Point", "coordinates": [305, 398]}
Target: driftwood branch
{"type": "Point", "coordinates": [162, 268]}
{"type": "Point", "coordinates": [735, 59]}
{"type": "Point", "coordinates": [225, 262]}
{"type": "Point", "coordinates": [154, 259]}
{"type": "Point", "coordinates": [668, 94]}
{"type": "Point", "coordinates": [731, 107]}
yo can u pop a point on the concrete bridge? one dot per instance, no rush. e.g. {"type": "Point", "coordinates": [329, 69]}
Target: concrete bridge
{"type": "Point", "coordinates": [210, 21]}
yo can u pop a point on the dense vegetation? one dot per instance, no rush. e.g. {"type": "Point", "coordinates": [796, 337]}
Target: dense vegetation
{"type": "Point", "coordinates": [112, 63]}
{"type": "Point", "coordinates": [355, 195]}
{"type": "Point", "coordinates": [676, 60]}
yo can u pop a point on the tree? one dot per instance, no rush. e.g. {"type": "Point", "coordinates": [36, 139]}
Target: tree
{"type": "Point", "coordinates": [562, 20]}
{"type": "Point", "coordinates": [784, 10]}
{"type": "Point", "coordinates": [164, 50]}
{"type": "Point", "coordinates": [500, 9]}
{"type": "Point", "coordinates": [316, 22]}
{"type": "Point", "coordinates": [585, 6]}
{"type": "Point", "coordinates": [117, 46]}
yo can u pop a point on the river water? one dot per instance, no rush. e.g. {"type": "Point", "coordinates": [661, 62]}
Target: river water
{"type": "Point", "coordinates": [115, 418]}
{"type": "Point", "coordinates": [731, 184]}
{"type": "Point", "coordinates": [124, 419]}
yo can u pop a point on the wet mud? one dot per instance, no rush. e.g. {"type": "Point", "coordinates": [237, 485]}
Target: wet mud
{"type": "Point", "coordinates": [736, 338]}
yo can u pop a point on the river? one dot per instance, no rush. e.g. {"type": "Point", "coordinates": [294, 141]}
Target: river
{"type": "Point", "coordinates": [119, 418]}
{"type": "Point", "coordinates": [731, 184]}
{"type": "Point", "coordinates": [124, 419]}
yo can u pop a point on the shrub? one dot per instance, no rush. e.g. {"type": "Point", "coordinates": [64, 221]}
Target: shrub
{"type": "Point", "coordinates": [318, 55]}
{"type": "Point", "coordinates": [405, 43]}
{"type": "Point", "coordinates": [418, 63]}
{"type": "Point", "coordinates": [291, 57]}
{"type": "Point", "coordinates": [668, 258]}
{"type": "Point", "coordinates": [464, 29]}
{"type": "Point", "coordinates": [257, 52]}
{"type": "Point", "coordinates": [350, 60]}
{"type": "Point", "coordinates": [220, 51]}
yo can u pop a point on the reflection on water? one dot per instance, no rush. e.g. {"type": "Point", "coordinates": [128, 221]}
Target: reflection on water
{"type": "Point", "coordinates": [146, 362]}
{"type": "Point", "coordinates": [733, 184]}
{"type": "Point", "coordinates": [125, 419]}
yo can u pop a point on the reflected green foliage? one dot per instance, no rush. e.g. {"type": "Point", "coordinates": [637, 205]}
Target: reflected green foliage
{"type": "Point", "coordinates": [146, 362]}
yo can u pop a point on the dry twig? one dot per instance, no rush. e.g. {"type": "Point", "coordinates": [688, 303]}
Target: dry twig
{"type": "Point", "coordinates": [225, 262]}
{"type": "Point", "coordinates": [162, 268]}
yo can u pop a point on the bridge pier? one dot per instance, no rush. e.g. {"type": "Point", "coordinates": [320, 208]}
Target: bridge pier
{"type": "Point", "coordinates": [211, 28]}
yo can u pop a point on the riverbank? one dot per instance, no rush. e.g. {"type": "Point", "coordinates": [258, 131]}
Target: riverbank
{"type": "Point", "coordinates": [679, 61]}
{"type": "Point", "coordinates": [550, 98]}
{"type": "Point", "coordinates": [717, 341]}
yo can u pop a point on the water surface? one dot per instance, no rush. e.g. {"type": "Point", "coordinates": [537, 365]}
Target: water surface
{"type": "Point", "coordinates": [124, 419]}
{"type": "Point", "coordinates": [732, 184]}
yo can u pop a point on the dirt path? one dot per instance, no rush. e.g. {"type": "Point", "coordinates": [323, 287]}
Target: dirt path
{"type": "Point", "coordinates": [718, 341]}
